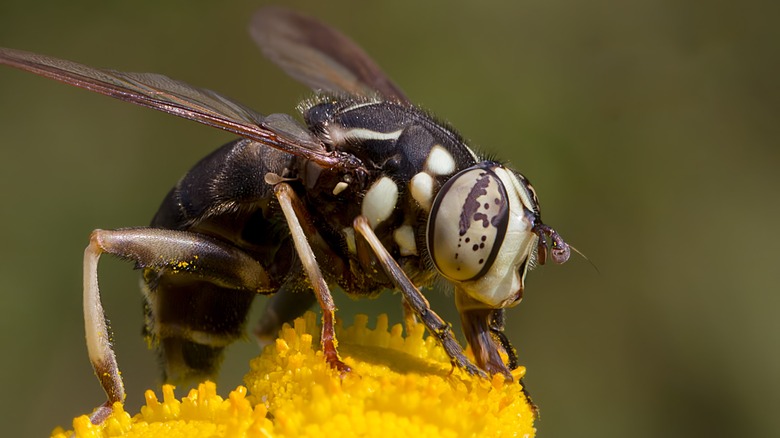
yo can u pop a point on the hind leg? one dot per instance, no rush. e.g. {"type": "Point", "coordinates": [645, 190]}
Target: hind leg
{"type": "Point", "coordinates": [165, 252]}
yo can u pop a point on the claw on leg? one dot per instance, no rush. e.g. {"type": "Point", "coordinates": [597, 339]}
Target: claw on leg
{"type": "Point", "coordinates": [329, 345]}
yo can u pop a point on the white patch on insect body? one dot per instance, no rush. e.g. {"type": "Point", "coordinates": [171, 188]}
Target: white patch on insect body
{"type": "Point", "coordinates": [473, 154]}
{"type": "Point", "coordinates": [340, 187]}
{"type": "Point", "coordinates": [404, 237]}
{"type": "Point", "coordinates": [349, 238]}
{"type": "Point", "coordinates": [358, 105]}
{"type": "Point", "coordinates": [421, 188]}
{"type": "Point", "coordinates": [380, 201]}
{"type": "Point", "coordinates": [440, 161]}
{"type": "Point", "coordinates": [340, 135]}
{"type": "Point", "coordinates": [367, 134]}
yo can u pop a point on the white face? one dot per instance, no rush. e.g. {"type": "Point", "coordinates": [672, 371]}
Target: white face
{"type": "Point", "coordinates": [481, 233]}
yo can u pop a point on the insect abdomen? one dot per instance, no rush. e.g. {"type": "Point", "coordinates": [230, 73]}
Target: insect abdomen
{"type": "Point", "coordinates": [191, 322]}
{"type": "Point", "coordinates": [192, 317]}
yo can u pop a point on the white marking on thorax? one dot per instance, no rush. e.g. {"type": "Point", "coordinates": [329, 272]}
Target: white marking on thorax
{"type": "Point", "coordinates": [473, 154]}
{"type": "Point", "coordinates": [380, 200]}
{"type": "Point", "coordinates": [421, 187]}
{"type": "Point", "coordinates": [349, 237]}
{"type": "Point", "coordinates": [340, 187]}
{"type": "Point", "coordinates": [357, 105]}
{"type": "Point", "coordinates": [440, 161]}
{"type": "Point", "coordinates": [340, 135]}
{"type": "Point", "coordinates": [404, 237]}
{"type": "Point", "coordinates": [367, 134]}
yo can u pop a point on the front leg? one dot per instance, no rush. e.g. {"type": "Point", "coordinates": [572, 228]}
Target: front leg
{"type": "Point", "coordinates": [294, 213]}
{"type": "Point", "coordinates": [497, 328]}
{"type": "Point", "coordinates": [161, 251]}
{"type": "Point", "coordinates": [415, 299]}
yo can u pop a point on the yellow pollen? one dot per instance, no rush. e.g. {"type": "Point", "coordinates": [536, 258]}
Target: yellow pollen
{"type": "Point", "coordinates": [399, 386]}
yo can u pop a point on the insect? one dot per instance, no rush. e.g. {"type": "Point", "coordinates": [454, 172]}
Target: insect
{"type": "Point", "coordinates": [370, 193]}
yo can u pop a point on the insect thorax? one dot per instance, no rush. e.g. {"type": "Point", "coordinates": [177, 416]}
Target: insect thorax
{"type": "Point", "coordinates": [409, 156]}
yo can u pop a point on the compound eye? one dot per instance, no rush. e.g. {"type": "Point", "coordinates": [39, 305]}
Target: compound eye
{"type": "Point", "coordinates": [468, 221]}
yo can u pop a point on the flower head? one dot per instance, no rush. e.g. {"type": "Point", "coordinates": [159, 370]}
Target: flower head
{"type": "Point", "coordinates": [399, 386]}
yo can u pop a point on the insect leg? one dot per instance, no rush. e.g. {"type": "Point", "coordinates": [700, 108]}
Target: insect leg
{"type": "Point", "coordinates": [497, 328]}
{"type": "Point", "coordinates": [163, 251]}
{"type": "Point", "coordinates": [289, 201]}
{"type": "Point", "coordinates": [475, 322]}
{"type": "Point", "coordinates": [416, 300]}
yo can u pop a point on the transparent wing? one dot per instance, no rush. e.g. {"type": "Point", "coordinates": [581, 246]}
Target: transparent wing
{"type": "Point", "coordinates": [318, 55]}
{"type": "Point", "coordinates": [178, 98]}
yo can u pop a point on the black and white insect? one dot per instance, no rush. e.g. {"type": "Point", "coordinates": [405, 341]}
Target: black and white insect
{"type": "Point", "coordinates": [371, 193]}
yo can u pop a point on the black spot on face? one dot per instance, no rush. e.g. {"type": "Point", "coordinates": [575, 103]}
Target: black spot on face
{"type": "Point", "coordinates": [475, 247]}
{"type": "Point", "coordinates": [482, 217]}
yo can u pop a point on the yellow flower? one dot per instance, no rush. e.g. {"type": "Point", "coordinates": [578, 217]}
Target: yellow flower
{"type": "Point", "coordinates": [398, 387]}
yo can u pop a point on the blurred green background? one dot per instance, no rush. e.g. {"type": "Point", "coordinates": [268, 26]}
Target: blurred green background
{"type": "Point", "coordinates": [649, 129]}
